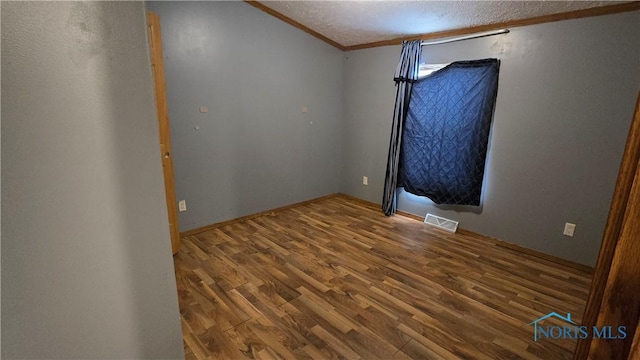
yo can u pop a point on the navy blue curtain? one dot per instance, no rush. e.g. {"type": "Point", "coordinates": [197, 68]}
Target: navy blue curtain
{"type": "Point", "coordinates": [406, 74]}
{"type": "Point", "coordinates": [446, 132]}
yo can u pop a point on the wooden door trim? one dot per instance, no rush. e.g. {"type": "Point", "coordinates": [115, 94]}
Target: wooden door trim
{"type": "Point", "coordinates": [612, 233]}
{"type": "Point", "coordinates": [157, 64]}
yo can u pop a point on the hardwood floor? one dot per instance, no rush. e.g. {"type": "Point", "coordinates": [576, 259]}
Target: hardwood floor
{"type": "Point", "coordinates": [337, 279]}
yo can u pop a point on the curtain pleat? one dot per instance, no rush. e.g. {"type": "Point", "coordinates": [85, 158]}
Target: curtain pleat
{"type": "Point", "coordinates": [406, 74]}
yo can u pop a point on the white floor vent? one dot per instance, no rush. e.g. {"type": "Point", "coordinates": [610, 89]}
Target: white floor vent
{"type": "Point", "coordinates": [441, 222]}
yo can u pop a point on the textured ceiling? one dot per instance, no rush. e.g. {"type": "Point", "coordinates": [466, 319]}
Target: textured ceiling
{"type": "Point", "coordinates": [359, 22]}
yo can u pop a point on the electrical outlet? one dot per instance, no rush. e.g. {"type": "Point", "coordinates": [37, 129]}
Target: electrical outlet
{"type": "Point", "coordinates": [569, 229]}
{"type": "Point", "coordinates": [365, 180]}
{"type": "Point", "coordinates": [182, 205]}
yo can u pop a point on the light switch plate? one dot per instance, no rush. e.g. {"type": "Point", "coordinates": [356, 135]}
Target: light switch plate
{"type": "Point", "coordinates": [569, 229]}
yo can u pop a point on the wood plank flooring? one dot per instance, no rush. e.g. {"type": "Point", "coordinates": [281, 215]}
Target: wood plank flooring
{"type": "Point", "coordinates": [336, 279]}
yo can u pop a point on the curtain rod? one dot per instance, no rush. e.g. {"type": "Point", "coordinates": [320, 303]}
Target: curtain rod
{"type": "Point", "coordinates": [466, 37]}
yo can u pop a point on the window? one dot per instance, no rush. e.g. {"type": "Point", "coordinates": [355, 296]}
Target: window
{"type": "Point", "coordinates": [426, 69]}
{"type": "Point", "coordinates": [446, 132]}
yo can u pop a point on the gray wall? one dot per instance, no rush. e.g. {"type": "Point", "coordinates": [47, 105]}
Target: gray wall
{"type": "Point", "coordinates": [255, 149]}
{"type": "Point", "coordinates": [86, 259]}
{"type": "Point", "coordinates": [565, 101]}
